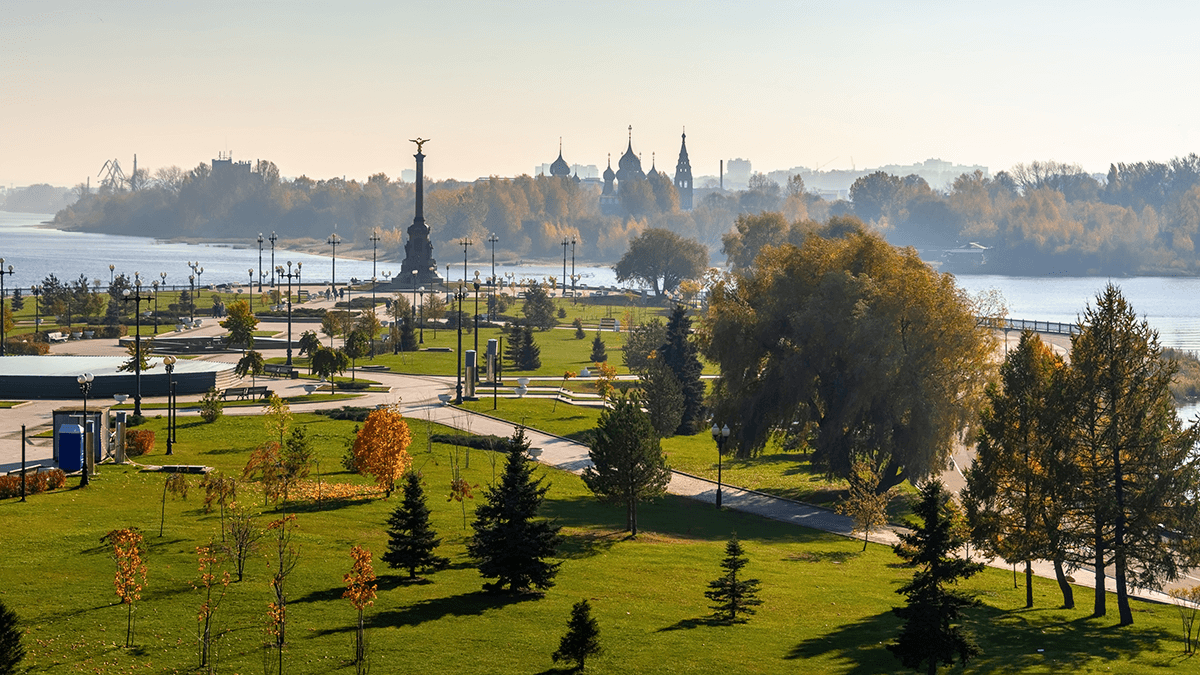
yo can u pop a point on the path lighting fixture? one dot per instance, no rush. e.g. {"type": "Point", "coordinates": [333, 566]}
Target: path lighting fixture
{"type": "Point", "coordinates": [492, 282]}
{"type": "Point", "coordinates": [272, 239]}
{"type": "Point", "coordinates": [333, 241]}
{"type": "Point", "coordinates": [137, 297]}
{"type": "Point", "coordinates": [421, 322]}
{"type": "Point", "coordinates": [476, 283]}
{"type": "Point", "coordinates": [260, 243]}
{"type": "Point", "coordinates": [574, 277]}
{"type": "Point", "coordinates": [112, 274]}
{"type": "Point", "coordinates": [36, 289]}
{"type": "Point", "coordinates": [460, 295]}
{"type": "Point", "coordinates": [192, 302]}
{"type": "Point", "coordinates": [85, 385]}
{"type": "Point", "coordinates": [3, 273]}
{"type": "Point", "coordinates": [289, 276]}
{"type": "Point", "coordinates": [251, 271]}
{"type": "Point", "coordinates": [169, 364]}
{"type": "Point", "coordinates": [721, 436]}
{"type": "Point", "coordinates": [154, 292]}
{"type": "Point", "coordinates": [565, 243]}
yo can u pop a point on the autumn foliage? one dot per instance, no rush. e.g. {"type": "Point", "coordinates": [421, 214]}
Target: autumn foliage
{"type": "Point", "coordinates": [130, 578]}
{"type": "Point", "coordinates": [381, 448]}
{"type": "Point", "coordinates": [360, 590]}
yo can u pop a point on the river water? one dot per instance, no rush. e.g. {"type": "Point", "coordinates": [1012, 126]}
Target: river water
{"type": "Point", "coordinates": [1168, 303]}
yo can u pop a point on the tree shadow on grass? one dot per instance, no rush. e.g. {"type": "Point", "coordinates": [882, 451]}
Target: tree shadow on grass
{"type": "Point", "coordinates": [835, 557]}
{"type": "Point", "coordinates": [475, 603]}
{"type": "Point", "coordinates": [688, 624]}
{"type": "Point", "coordinates": [558, 671]}
{"type": "Point", "coordinates": [1012, 642]}
{"type": "Point", "coordinates": [227, 451]}
{"type": "Point", "coordinates": [326, 504]}
{"type": "Point", "coordinates": [586, 544]}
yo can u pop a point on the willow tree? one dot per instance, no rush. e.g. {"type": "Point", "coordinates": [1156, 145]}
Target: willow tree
{"type": "Point", "coordinates": [862, 341]}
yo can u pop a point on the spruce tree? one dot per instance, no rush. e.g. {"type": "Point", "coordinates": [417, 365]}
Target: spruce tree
{"type": "Point", "coordinates": [582, 638]}
{"type": "Point", "coordinates": [628, 465]}
{"type": "Point", "coordinates": [930, 635]}
{"type": "Point", "coordinates": [411, 540]}
{"type": "Point", "coordinates": [733, 595]}
{"type": "Point", "coordinates": [531, 354]}
{"type": "Point", "coordinates": [598, 353]}
{"type": "Point", "coordinates": [408, 335]}
{"type": "Point", "coordinates": [510, 543]}
{"type": "Point", "coordinates": [512, 345]}
{"type": "Point", "coordinates": [11, 649]}
{"type": "Point", "coordinates": [680, 355]}
{"type": "Point", "coordinates": [578, 324]}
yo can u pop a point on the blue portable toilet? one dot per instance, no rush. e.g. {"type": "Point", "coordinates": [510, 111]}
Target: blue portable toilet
{"type": "Point", "coordinates": [70, 447]}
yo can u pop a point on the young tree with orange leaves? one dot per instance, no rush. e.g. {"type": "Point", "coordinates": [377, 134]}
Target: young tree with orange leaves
{"type": "Point", "coordinates": [360, 590]}
{"type": "Point", "coordinates": [130, 578]}
{"type": "Point", "coordinates": [381, 447]}
{"type": "Point", "coordinates": [214, 591]}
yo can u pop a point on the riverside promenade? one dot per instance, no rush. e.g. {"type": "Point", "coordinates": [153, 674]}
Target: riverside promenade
{"type": "Point", "coordinates": [417, 396]}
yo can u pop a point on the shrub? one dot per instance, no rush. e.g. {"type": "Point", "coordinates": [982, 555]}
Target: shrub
{"type": "Point", "coordinates": [477, 442]}
{"type": "Point", "coordinates": [210, 405]}
{"type": "Point", "coordinates": [35, 482]}
{"type": "Point", "coordinates": [579, 334]}
{"type": "Point", "coordinates": [139, 442]}
{"type": "Point", "coordinates": [353, 386]}
{"type": "Point", "coordinates": [562, 313]}
{"type": "Point", "coordinates": [112, 332]}
{"type": "Point", "coordinates": [25, 345]}
{"type": "Point", "coordinates": [347, 412]}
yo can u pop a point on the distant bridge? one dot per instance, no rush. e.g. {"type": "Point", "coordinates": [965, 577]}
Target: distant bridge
{"type": "Point", "coordinates": [1051, 327]}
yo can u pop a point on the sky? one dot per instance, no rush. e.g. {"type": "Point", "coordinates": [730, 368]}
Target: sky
{"type": "Point", "coordinates": [329, 89]}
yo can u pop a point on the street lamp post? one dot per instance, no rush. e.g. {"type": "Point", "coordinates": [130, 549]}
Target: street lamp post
{"type": "Point", "coordinates": [721, 436]}
{"type": "Point", "coordinates": [85, 385]}
{"type": "Point", "coordinates": [112, 274]}
{"type": "Point", "coordinates": [192, 301]}
{"type": "Point", "coordinates": [421, 323]}
{"type": "Point", "coordinates": [137, 297]}
{"type": "Point", "coordinates": [460, 295]}
{"type": "Point", "coordinates": [492, 298]}
{"type": "Point", "coordinates": [154, 292]}
{"type": "Point", "coordinates": [333, 241]}
{"type": "Point", "coordinates": [3, 273]}
{"type": "Point", "coordinates": [566, 242]}
{"type": "Point", "coordinates": [163, 285]}
{"type": "Point", "coordinates": [375, 238]}
{"type": "Point", "coordinates": [477, 325]}
{"type": "Point", "coordinates": [169, 364]}
{"type": "Point", "coordinates": [272, 239]}
{"type": "Point", "coordinates": [464, 242]}
{"type": "Point", "coordinates": [251, 272]}
{"type": "Point", "coordinates": [289, 276]}
{"type": "Point", "coordinates": [573, 276]}
{"type": "Point", "coordinates": [260, 243]}
{"type": "Point", "coordinates": [36, 289]}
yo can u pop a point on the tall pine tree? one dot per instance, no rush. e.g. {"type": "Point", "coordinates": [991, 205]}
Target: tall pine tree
{"type": "Point", "coordinates": [627, 459]}
{"type": "Point", "coordinates": [411, 539]}
{"type": "Point", "coordinates": [732, 594]}
{"type": "Point", "coordinates": [1137, 475]}
{"type": "Point", "coordinates": [680, 355]}
{"type": "Point", "coordinates": [930, 635]}
{"type": "Point", "coordinates": [510, 542]}
{"type": "Point", "coordinates": [11, 649]}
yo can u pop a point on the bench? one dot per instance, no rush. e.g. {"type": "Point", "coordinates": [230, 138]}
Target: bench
{"type": "Point", "coordinates": [302, 296]}
{"type": "Point", "coordinates": [56, 336]}
{"type": "Point", "coordinates": [242, 393]}
{"type": "Point", "coordinates": [278, 369]}
{"type": "Point", "coordinates": [30, 468]}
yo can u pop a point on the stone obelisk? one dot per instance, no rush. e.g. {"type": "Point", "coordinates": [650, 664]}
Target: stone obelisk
{"type": "Point", "coordinates": [418, 251]}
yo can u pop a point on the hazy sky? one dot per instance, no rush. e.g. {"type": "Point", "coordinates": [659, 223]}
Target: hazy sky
{"type": "Point", "coordinates": [337, 88]}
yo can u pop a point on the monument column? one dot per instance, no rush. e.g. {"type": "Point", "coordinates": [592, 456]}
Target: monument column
{"type": "Point", "coordinates": [418, 251]}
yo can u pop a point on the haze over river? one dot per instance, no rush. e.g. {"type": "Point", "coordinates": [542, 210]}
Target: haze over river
{"type": "Point", "coordinates": [1170, 304]}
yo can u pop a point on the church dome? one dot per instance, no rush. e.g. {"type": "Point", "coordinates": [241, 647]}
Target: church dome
{"type": "Point", "coordinates": [560, 167]}
{"type": "Point", "coordinates": [629, 166]}
{"type": "Point", "coordinates": [608, 173]}
{"type": "Point", "coordinates": [653, 170]}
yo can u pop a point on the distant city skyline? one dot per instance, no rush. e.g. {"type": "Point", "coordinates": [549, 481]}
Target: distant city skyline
{"type": "Point", "coordinates": [329, 92]}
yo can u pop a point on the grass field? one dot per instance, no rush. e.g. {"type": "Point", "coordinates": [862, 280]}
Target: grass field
{"type": "Point", "coordinates": [826, 605]}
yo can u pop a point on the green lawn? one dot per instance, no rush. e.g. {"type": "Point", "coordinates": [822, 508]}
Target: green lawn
{"type": "Point", "coordinates": [10, 404]}
{"type": "Point", "coordinates": [826, 605]}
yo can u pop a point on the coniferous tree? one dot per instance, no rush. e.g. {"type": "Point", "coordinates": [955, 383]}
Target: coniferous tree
{"type": "Point", "coordinates": [578, 324]}
{"type": "Point", "coordinates": [512, 345]}
{"type": "Point", "coordinates": [1136, 474]}
{"type": "Point", "coordinates": [733, 595]}
{"type": "Point", "coordinates": [680, 355]}
{"type": "Point", "coordinates": [510, 543]}
{"type": "Point", "coordinates": [930, 635]}
{"type": "Point", "coordinates": [582, 638]}
{"type": "Point", "coordinates": [531, 354]}
{"type": "Point", "coordinates": [408, 335]}
{"type": "Point", "coordinates": [627, 460]}
{"type": "Point", "coordinates": [11, 649]}
{"type": "Point", "coordinates": [598, 353]}
{"type": "Point", "coordinates": [411, 539]}
{"type": "Point", "coordinates": [663, 397]}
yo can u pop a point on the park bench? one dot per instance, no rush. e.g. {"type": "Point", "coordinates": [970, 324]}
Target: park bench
{"type": "Point", "coordinates": [302, 296]}
{"type": "Point", "coordinates": [30, 468]}
{"type": "Point", "coordinates": [56, 336]}
{"type": "Point", "coordinates": [242, 393]}
{"type": "Point", "coordinates": [278, 369]}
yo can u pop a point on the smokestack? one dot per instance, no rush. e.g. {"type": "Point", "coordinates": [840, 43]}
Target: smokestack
{"type": "Point", "coordinates": [721, 175]}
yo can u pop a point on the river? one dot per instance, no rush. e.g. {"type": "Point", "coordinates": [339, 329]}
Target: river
{"type": "Point", "coordinates": [1167, 303]}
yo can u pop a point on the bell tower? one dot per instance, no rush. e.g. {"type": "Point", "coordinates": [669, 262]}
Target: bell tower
{"type": "Point", "coordinates": [683, 176]}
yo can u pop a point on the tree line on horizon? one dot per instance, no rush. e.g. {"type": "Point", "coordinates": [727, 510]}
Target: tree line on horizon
{"type": "Point", "coordinates": [1141, 218]}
